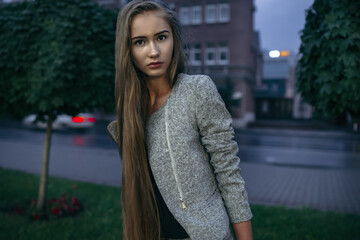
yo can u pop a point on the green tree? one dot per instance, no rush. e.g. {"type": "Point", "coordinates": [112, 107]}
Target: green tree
{"type": "Point", "coordinates": [56, 56]}
{"type": "Point", "coordinates": [328, 72]}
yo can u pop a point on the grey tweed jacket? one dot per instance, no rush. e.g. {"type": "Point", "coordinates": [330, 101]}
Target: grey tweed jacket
{"type": "Point", "coordinates": [208, 190]}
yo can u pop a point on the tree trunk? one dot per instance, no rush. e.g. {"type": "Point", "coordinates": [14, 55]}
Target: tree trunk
{"type": "Point", "coordinates": [45, 164]}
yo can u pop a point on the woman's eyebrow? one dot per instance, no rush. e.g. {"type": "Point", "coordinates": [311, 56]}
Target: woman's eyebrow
{"type": "Point", "coordinates": [156, 34]}
{"type": "Point", "coordinates": [164, 31]}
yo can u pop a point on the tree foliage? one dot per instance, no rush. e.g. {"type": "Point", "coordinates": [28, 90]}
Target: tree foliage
{"type": "Point", "coordinates": [56, 56]}
{"type": "Point", "coordinates": [329, 68]}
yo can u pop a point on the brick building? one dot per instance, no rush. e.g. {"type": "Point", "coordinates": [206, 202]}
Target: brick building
{"type": "Point", "coordinates": [220, 42]}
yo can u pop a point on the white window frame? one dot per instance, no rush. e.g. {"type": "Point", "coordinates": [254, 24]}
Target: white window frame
{"type": "Point", "coordinates": [184, 13]}
{"type": "Point", "coordinates": [195, 49]}
{"type": "Point", "coordinates": [223, 48]}
{"type": "Point", "coordinates": [210, 48]}
{"type": "Point", "coordinates": [196, 11]}
{"type": "Point", "coordinates": [208, 17]}
{"type": "Point", "coordinates": [223, 12]}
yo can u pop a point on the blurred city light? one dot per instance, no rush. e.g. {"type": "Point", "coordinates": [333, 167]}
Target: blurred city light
{"type": "Point", "coordinates": [277, 53]}
{"type": "Point", "coordinates": [284, 53]}
{"type": "Point", "coordinates": [274, 53]}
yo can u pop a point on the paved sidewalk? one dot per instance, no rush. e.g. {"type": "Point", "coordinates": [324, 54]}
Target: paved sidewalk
{"type": "Point", "coordinates": [325, 189]}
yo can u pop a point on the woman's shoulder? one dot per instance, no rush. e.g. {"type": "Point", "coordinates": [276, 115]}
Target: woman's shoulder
{"type": "Point", "coordinates": [194, 81]}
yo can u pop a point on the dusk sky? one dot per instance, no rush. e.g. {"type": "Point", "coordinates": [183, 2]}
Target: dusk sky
{"type": "Point", "coordinates": [280, 22]}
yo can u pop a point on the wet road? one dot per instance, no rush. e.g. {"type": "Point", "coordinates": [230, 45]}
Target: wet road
{"type": "Point", "coordinates": [270, 146]}
{"type": "Point", "coordinates": [91, 155]}
{"type": "Point", "coordinates": [314, 149]}
{"type": "Point", "coordinates": [88, 156]}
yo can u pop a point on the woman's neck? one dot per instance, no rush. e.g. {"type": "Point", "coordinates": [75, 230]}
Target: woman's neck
{"type": "Point", "coordinates": [159, 90]}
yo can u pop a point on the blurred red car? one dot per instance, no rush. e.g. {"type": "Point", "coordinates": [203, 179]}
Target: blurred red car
{"type": "Point", "coordinates": [63, 121]}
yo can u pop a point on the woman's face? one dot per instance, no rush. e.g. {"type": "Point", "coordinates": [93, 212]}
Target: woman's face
{"type": "Point", "coordinates": [151, 44]}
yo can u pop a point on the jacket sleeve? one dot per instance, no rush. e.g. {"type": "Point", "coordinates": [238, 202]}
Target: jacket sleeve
{"type": "Point", "coordinates": [214, 123]}
{"type": "Point", "coordinates": [112, 130]}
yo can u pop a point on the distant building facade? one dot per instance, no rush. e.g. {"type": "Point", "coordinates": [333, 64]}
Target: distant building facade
{"type": "Point", "coordinates": [276, 97]}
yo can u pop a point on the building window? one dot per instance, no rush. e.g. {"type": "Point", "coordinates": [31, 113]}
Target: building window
{"type": "Point", "coordinates": [210, 13]}
{"type": "Point", "coordinates": [195, 55]}
{"type": "Point", "coordinates": [224, 12]}
{"type": "Point", "coordinates": [196, 15]}
{"type": "Point", "coordinates": [185, 15]}
{"type": "Point", "coordinates": [210, 54]}
{"type": "Point", "coordinates": [223, 54]}
{"type": "Point", "coordinates": [265, 107]}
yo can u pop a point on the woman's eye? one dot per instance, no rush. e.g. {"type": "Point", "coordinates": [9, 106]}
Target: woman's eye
{"type": "Point", "coordinates": [139, 42]}
{"type": "Point", "coordinates": [162, 37]}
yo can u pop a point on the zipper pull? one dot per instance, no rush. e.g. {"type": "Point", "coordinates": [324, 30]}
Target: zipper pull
{"type": "Point", "coordinates": [183, 204]}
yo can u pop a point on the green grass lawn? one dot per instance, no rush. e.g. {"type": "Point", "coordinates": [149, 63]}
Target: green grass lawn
{"type": "Point", "coordinates": [101, 215]}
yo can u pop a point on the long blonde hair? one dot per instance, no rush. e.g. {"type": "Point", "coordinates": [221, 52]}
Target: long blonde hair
{"type": "Point", "coordinates": [139, 207]}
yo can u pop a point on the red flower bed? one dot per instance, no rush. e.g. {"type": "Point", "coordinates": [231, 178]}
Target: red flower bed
{"type": "Point", "coordinates": [54, 208]}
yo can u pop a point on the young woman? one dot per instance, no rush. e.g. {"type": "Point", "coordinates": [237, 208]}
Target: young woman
{"type": "Point", "coordinates": [180, 175]}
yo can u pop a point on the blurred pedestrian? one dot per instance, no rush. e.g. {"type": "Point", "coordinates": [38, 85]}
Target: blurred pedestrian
{"type": "Point", "coordinates": [180, 177]}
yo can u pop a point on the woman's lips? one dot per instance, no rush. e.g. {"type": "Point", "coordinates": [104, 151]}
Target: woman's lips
{"type": "Point", "coordinates": [155, 65]}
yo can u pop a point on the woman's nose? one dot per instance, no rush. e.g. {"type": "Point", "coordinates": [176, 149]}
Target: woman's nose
{"type": "Point", "coordinates": [154, 50]}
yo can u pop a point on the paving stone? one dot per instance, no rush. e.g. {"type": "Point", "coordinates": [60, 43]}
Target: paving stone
{"type": "Point", "coordinates": [324, 189]}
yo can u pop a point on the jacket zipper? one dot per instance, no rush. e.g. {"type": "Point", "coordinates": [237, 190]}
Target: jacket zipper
{"type": "Point", "coordinates": [173, 161]}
